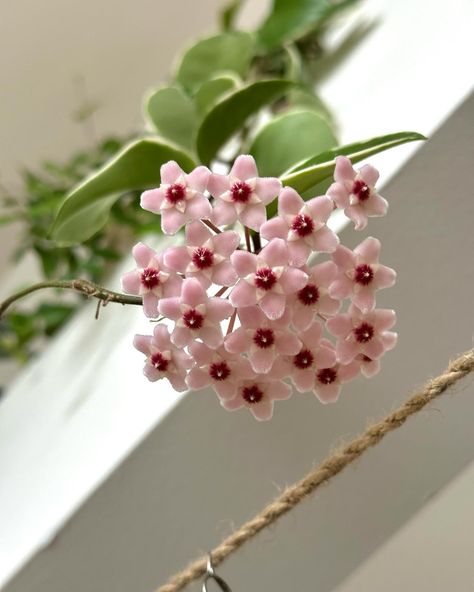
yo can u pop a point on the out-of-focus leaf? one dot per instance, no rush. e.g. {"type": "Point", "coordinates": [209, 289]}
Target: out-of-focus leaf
{"type": "Point", "coordinates": [312, 171]}
{"type": "Point", "coordinates": [53, 315]}
{"type": "Point", "coordinates": [86, 209]}
{"type": "Point", "coordinates": [228, 14]}
{"type": "Point", "coordinates": [289, 20]}
{"type": "Point", "coordinates": [229, 115]}
{"type": "Point", "coordinates": [172, 114]}
{"type": "Point", "coordinates": [306, 99]}
{"type": "Point", "coordinates": [290, 138]}
{"type": "Point", "coordinates": [211, 91]}
{"type": "Point", "coordinates": [228, 52]}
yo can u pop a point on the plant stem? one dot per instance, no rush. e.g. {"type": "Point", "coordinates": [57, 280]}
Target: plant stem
{"type": "Point", "coordinates": [85, 287]}
{"type": "Point", "coordinates": [212, 226]}
{"type": "Point", "coordinates": [247, 239]}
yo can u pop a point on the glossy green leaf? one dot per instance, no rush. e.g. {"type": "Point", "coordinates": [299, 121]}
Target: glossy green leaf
{"type": "Point", "coordinates": [136, 167]}
{"type": "Point", "coordinates": [314, 170]}
{"type": "Point", "coordinates": [289, 20]}
{"type": "Point", "coordinates": [290, 138]}
{"type": "Point", "coordinates": [211, 91]}
{"type": "Point", "coordinates": [231, 52]}
{"type": "Point", "coordinates": [172, 114]}
{"type": "Point", "coordinates": [230, 114]}
{"type": "Point", "coordinates": [229, 13]}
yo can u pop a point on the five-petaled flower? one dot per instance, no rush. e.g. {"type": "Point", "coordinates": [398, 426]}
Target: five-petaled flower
{"type": "Point", "coordinates": [302, 225]}
{"type": "Point", "coordinates": [163, 358]}
{"type": "Point", "coordinates": [354, 192]}
{"type": "Point", "coordinates": [151, 280]}
{"type": "Point", "coordinates": [328, 381]}
{"type": "Point", "coordinates": [205, 256]}
{"type": "Point", "coordinates": [361, 274]}
{"type": "Point", "coordinates": [180, 197]}
{"type": "Point", "coordinates": [266, 278]}
{"type": "Point", "coordinates": [195, 315]}
{"type": "Point", "coordinates": [363, 333]}
{"type": "Point", "coordinates": [242, 194]}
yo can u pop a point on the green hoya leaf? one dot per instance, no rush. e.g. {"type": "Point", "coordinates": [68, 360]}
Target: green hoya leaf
{"type": "Point", "coordinates": [211, 91]}
{"type": "Point", "coordinates": [229, 13]}
{"type": "Point", "coordinates": [229, 115]}
{"type": "Point", "coordinates": [208, 57]}
{"type": "Point", "coordinates": [289, 20]}
{"type": "Point", "coordinates": [137, 166]}
{"type": "Point", "coordinates": [172, 114]}
{"type": "Point", "coordinates": [312, 171]}
{"type": "Point", "coordinates": [290, 138]}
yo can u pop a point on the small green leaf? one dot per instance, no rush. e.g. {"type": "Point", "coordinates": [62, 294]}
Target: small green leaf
{"type": "Point", "coordinates": [212, 91]}
{"type": "Point", "coordinates": [314, 170]}
{"type": "Point", "coordinates": [210, 56]}
{"type": "Point", "coordinates": [229, 115]}
{"type": "Point", "coordinates": [290, 138]}
{"type": "Point", "coordinates": [306, 99]}
{"type": "Point", "coordinates": [228, 14]}
{"type": "Point", "coordinates": [289, 20]}
{"type": "Point", "coordinates": [136, 167]}
{"type": "Point", "coordinates": [172, 114]}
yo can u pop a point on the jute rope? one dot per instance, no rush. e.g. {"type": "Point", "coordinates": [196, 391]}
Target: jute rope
{"type": "Point", "coordinates": [333, 465]}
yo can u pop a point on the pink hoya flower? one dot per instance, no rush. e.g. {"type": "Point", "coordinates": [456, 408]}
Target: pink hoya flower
{"type": "Point", "coordinates": [242, 195]}
{"type": "Point", "coordinates": [258, 395]}
{"type": "Point", "coordinates": [163, 359]}
{"type": "Point", "coordinates": [354, 191]}
{"type": "Point", "coordinates": [361, 274]}
{"type": "Point", "coordinates": [179, 198]}
{"type": "Point", "coordinates": [266, 278]}
{"type": "Point", "coordinates": [262, 339]}
{"type": "Point", "coordinates": [219, 368]}
{"type": "Point", "coordinates": [205, 256]}
{"type": "Point", "coordinates": [314, 353]}
{"type": "Point", "coordinates": [363, 333]}
{"type": "Point", "coordinates": [152, 279]}
{"type": "Point", "coordinates": [368, 367]}
{"type": "Point", "coordinates": [328, 381]}
{"type": "Point", "coordinates": [302, 225]}
{"type": "Point", "coordinates": [314, 297]}
{"type": "Point", "coordinates": [195, 315]}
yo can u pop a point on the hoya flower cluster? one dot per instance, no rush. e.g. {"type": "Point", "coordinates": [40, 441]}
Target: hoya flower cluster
{"type": "Point", "coordinates": [250, 321]}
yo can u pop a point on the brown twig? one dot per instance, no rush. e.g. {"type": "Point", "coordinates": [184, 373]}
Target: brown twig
{"type": "Point", "coordinates": [210, 225]}
{"type": "Point", "coordinates": [248, 242]}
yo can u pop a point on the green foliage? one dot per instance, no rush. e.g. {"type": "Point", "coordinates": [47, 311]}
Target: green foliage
{"type": "Point", "coordinates": [211, 91]}
{"type": "Point", "coordinates": [289, 138]}
{"type": "Point", "coordinates": [172, 114]}
{"type": "Point", "coordinates": [229, 116]}
{"type": "Point", "coordinates": [135, 167]}
{"type": "Point", "coordinates": [228, 14]}
{"type": "Point", "coordinates": [228, 52]}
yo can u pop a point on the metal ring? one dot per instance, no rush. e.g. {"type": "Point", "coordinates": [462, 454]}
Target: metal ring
{"type": "Point", "coordinates": [211, 575]}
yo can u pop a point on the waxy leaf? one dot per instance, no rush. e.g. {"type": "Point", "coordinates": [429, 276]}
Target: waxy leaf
{"type": "Point", "coordinates": [290, 138]}
{"type": "Point", "coordinates": [228, 52]}
{"type": "Point", "coordinates": [211, 91]}
{"type": "Point", "coordinates": [135, 167]}
{"type": "Point", "coordinates": [172, 114]}
{"type": "Point", "coordinates": [229, 115]}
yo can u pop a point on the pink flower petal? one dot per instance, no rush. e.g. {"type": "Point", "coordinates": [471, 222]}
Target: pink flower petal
{"type": "Point", "coordinates": [357, 214]}
{"type": "Point", "coordinates": [142, 343]}
{"type": "Point", "coordinates": [244, 263]}
{"type": "Point", "coordinates": [243, 294]}
{"type": "Point", "coordinates": [369, 250]}
{"type": "Point", "coordinates": [198, 207]}
{"type": "Point", "coordinates": [170, 308]}
{"type": "Point", "coordinates": [151, 373]}
{"type": "Point", "coordinates": [289, 202]}
{"type": "Point", "coordinates": [312, 336]}
{"type": "Point", "coordinates": [226, 243]}
{"type": "Point", "coordinates": [275, 253]}
{"type": "Point", "coordinates": [143, 254]}
{"type": "Point", "coordinates": [193, 293]}
{"type": "Point", "coordinates": [343, 170]}
{"type": "Point", "coordinates": [262, 360]}
{"type": "Point", "coordinates": [223, 213]}
{"type": "Point", "coordinates": [238, 341]}
{"type": "Point", "coordinates": [325, 358]}
{"type": "Point", "coordinates": [339, 194]}
{"type": "Point", "coordinates": [199, 178]}
{"type": "Point", "coordinates": [325, 241]}
{"type": "Point", "coordinates": [267, 189]}
{"type": "Point", "coordinates": [176, 258]}
{"type": "Point", "coordinates": [341, 288]}
{"type": "Point", "coordinates": [170, 171]}
{"type": "Point", "coordinates": [274, 228]}
{"type": "Point", "coordinates": [131, 282]}
{"type": "Point", "coordinates": [293, 279]}
{"type": "Point", "coordinates": [376, 206]}
{"type": "Point", "coordinates": [161, 336]}
{"type": "Point", "coordinates": [244, 168]}
{"type": "Point", "coordinates": [212, 336]}
{"type": "Point", "coordinates": [389, 339]}
{"type": "Point", "coordinates": [346, 351]}
{"type": "Point", "coordinates": [303, 380]}
{"type": "Point", "coordinates": [224, 274]}
{"type": "Point", "coordinates": [385, 277]}
{"type": "Point", "coordinates": [320, 208]}
{"type": "Point", "coordinates": [339, 326]}
{"type": "Point", "coordinates": [218, 184]}
{"type": "Point", "coordinates": [253, 216]}
{"type": "Point", "coordinates": [197, 233]}
{"type": "Point", "coordinates": [251, 316]}
{"type": "Point", "coordinates": [303, 317]}
{"type": "Point", "coordinates": [385, 319]}
{"type": "Point", "coordinates": [344, 258]}
{"type": "Point", "coordinates": [152, 199]}
{"type": "Point", "coordinates": [219, 309]}
{"type": "Point", "coordinates": [262, 411]}
{"type": "Point", "coordinates": [201, 353]}
{"type": "Point", "coordinates": [299, 252]}
{"type": "Point", "coordinates": [280, 391]}
{"type": "Point", "coordinates": [369, 174]}
{"type": "Point", "coordinates": [232, 404]}
{"type": "Point", "coordinates": [172, 220]}
{"type": "Point", "coordinates": [288, 344]}
{"type": "Point", "coordinates": [364, 299]}
{"type": "Point", "coordinates": [225, 390]}
{"type": "Point", "coordinates": [374, 349]}
{"type": "Point", "coordinates": [197, 379]}
{"type": "Point", "coordinates": [181, 336]}
{"type": "Point", "coordinates": [327, 393]}
{"type": "Point", "coordinates": [177, 382]}
{"type": "Point", "coordinates": [273, 305]}
{"type": "Point", "coordinates": [150, 305]}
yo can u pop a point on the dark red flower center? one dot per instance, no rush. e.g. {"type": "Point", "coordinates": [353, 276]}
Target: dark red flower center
{"type": "Point", "coordinates": [202, 257]}
{"type": "Point", "coordinates": [175, 193]}
{"type": "Point", "coordinates": [364, 274]}
{"type": "Point", "coordinates": [361, 190]}
{"type": "Point", "coordinates": [241, 192]}
{"type": "Point", "coordinates": [159, 362]}
{"type": "Point", "coordinates": [265, 278]}
{"type": "Point", "coordinates": [150, 277]}
{"type": "Point", "coordinates": [327, 375]}
{"type": "Point", "coordinates": [364, 332]}
{"type": "Point", "coordinates": [264, 338]}
{"type": "Point", "coordinates": [302, 225]}
{"type": "Point", "coordinates": [193, 319]}
{"type": "Point", "coordinates": [366, 358]}
{"type": "Point", "coordinates": [309, 295]}
{"type": "Point", "coordinates": [304, 359]}
{"type": "Point", "coordinates": [219, 371]}
{"type": "Point", "coordinates": [252, 394]}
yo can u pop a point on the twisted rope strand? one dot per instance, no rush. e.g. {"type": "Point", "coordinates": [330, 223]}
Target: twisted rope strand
{"type": "Point", "coordinates": [330, 467]}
